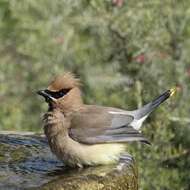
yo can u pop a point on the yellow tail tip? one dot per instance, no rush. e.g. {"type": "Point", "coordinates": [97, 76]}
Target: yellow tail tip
{"type": "Point", "coordinates": [173, 91]}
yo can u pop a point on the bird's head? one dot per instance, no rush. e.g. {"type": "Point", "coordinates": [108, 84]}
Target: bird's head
{"type": "Point", "coordinates": [63, 93]}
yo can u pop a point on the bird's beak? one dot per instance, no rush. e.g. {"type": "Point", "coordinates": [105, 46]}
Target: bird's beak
{"type": "Point", "coordinates": [47, 96]}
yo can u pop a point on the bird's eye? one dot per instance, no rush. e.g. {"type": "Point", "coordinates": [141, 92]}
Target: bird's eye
{"type": "Point", "coordinates": [62, 92]}
{"type": "Point", "coordinates": [58, 94]}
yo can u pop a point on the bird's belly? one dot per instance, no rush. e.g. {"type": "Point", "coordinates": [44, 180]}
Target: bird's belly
{"type": "Point", "coordinates": [101, 154]}
{"type": "Point", "coordinates": [76, 154]}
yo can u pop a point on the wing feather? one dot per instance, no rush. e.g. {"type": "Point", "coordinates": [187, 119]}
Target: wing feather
{"type": "Point", "coordinates": [96, 125]}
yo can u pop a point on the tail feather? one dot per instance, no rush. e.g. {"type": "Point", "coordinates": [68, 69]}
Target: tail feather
{"type": "Point", "coordinates": [141, 114]}
{"type": "Point", "coordinates": [148, 108]}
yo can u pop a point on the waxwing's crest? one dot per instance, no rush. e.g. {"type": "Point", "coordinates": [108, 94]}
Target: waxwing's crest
{"type": "Point", "coordinates": [64, 81]}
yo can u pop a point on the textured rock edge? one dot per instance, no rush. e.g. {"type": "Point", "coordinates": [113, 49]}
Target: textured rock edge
{"type": "Point", "coordinates": [123, 176]}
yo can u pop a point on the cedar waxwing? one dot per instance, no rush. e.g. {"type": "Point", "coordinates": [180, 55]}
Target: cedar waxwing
{"type": "Point", "coordinates": [81, 134]}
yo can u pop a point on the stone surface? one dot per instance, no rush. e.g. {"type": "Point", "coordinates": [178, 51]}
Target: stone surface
{"type": "Point", "coordinates": [27, 163]}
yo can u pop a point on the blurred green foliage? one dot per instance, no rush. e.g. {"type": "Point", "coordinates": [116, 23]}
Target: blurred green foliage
{"type": "Point", "coordinates": [125, 52]}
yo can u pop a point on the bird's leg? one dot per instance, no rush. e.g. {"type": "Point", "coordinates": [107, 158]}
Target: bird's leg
{"type": "Point", "coordinates": [126, 158]}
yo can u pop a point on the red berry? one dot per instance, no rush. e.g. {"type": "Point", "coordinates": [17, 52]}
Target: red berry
{"type": "Point", "coordinates": [118, 3]}
{"type": "Point", "coordinates": [188, 71]}
{"type": "Point", "coordinates": [59, 39]}
{"type": "Point", "coordinates": [140, 58]}
{"type": "Point", "coordinates": [179, 87]}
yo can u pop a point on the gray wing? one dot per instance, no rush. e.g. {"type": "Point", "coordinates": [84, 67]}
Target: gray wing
{"type": "Point", "coordinates": [96, 125]}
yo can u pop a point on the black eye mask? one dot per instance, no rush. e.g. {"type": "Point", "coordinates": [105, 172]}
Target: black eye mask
{"type": "Point", "coordinates": [57, 94]}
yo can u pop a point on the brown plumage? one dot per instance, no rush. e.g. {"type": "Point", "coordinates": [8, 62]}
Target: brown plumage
{"type": "Point", "coordinates": [81, 134]}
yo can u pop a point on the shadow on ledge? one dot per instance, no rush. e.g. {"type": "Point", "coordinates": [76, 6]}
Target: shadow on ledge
{"type": "Point", "coordinates": [27, 163]}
